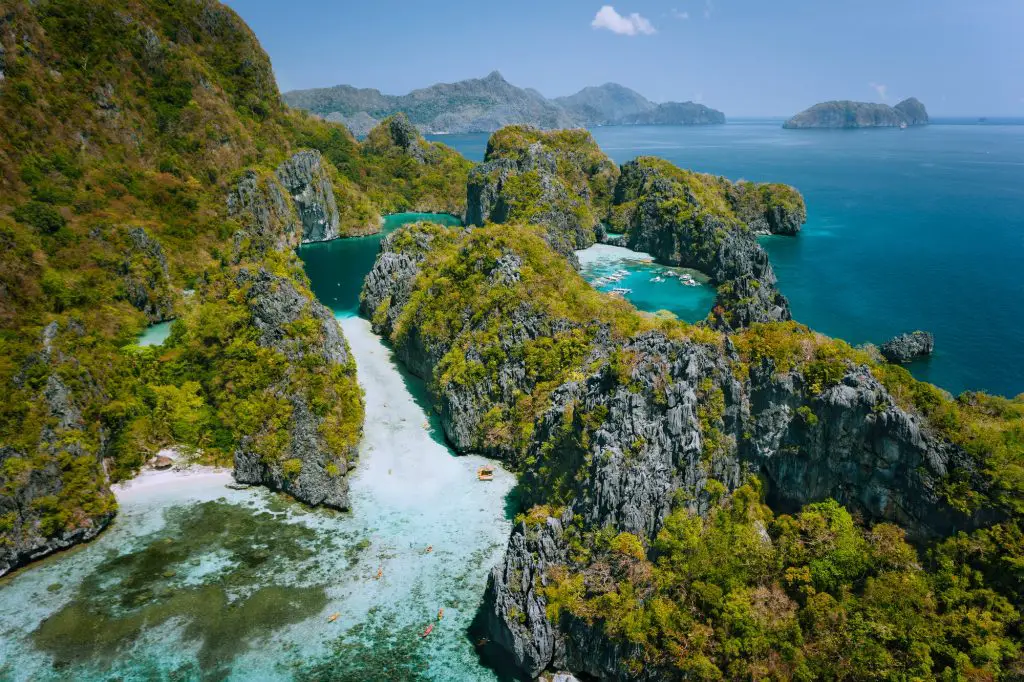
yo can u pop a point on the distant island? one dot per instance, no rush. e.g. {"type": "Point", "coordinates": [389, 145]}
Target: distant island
{"type": "Point", "coordinates": [487, 104]}
{"type": "Point", "coordinates": [847, 114]}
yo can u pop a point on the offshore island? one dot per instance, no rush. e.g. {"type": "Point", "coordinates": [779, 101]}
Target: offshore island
{"type": "Point", "coordinates": [737, 497]}
{"type": "Point", "coordinates": [847, 114]}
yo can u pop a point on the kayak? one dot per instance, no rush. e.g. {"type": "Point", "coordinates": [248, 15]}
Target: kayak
{"type": "Point", "coordinates": [430, 628]}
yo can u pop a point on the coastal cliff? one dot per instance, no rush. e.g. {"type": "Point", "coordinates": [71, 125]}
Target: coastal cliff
{"type": "Point", "coordinates": [847, 114]}
{"type": "Point", "coordinates": [561, 180]}
{"type": "Point", "coordinates": [639, 437]}
{"type": "Point", "coordinates": [710, 224]}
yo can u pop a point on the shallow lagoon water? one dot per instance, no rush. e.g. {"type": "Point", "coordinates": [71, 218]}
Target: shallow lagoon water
{"type": "Point", "coordinates": [251, 599]}
{"type": "Point", "coordinates": [194, 580]}
{"type": "Point", "coordinates": [155, 334]}
{"type": "Point", "coordinates": [652, 287]}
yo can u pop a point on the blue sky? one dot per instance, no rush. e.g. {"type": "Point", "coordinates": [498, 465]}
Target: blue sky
{"type": "Point", "coordinates": [745, 57]}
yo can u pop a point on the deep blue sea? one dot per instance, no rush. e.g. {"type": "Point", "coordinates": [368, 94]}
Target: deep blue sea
{"type": "Point", "coordinates": [913, 229]}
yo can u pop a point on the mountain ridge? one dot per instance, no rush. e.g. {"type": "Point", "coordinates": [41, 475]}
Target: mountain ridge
{"type": "Point", "coordinates": [489, 103]}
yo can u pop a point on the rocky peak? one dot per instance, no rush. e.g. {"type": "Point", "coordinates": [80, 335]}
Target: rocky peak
{"type": "Point", "coordinates": [305, 178]}
{"type": "Point", "coordinates": [146, 276]}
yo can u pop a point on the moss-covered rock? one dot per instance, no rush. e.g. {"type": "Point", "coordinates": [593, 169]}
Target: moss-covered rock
{"type": "Point", "coordinates": [710, 224]}
{"type": "Point", "coordinates": [559, 179]}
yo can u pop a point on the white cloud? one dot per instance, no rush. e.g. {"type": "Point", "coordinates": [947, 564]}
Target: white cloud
{"type": "Point", "coordinates": [709, 7]}
{"type": "Point", "coordinates": [682, 16]}
{"type": "Point", "coordinates": [880, 89]}
{"type": "Point", "coordinates": [631, 25]}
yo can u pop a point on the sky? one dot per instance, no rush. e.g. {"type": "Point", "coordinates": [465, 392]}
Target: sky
{"type": "Point", "coordinates": [744, 57]}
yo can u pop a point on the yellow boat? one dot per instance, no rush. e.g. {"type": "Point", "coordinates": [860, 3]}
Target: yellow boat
{"type": "Point", "coordinates": [333, 617]}
{"type": "Point", "coordinates": [485, 473]}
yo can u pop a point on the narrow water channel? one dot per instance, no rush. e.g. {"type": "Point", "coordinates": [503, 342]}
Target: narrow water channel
{"type": "Point", "coordinates": [195, 580]}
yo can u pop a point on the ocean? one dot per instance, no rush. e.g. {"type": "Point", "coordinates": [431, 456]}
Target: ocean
{"type": "Point", "coordinates": [907, 229]}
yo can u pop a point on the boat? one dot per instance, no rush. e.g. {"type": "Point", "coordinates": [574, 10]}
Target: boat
{"type": "Point", "coordinates": [440, 613]}
{"type": "Point", "coordinates": [485, 473]}
{"type": "Point", "coordinates": [430, 628]}
{"type": "Point", "coordinates": [657, 278]}
{"type": "Point", "coordinates": [333, 617]}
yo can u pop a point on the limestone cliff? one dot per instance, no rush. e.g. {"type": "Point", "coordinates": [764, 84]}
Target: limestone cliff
{"type": "Point", "coordinates": [308, 468]}
{"type": "Point", "coordinates": [710, 224]}
{"type": "Point", "coordinates": [55, 490]}
{"type": "Point", "coordinates": [560, 180]}
{"type": "Point", "coordinates": [632, 418]}
{"type": "Point", "coordinates": [305, 179]}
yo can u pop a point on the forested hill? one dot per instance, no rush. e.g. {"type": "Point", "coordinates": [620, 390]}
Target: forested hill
{"type": "Point", "coordinates": [487, 104]}
{"type": "Point", "coordinates": [150, 171]}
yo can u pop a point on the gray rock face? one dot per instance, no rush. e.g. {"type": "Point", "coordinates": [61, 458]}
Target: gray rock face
{"type": "Point", "coordinates": [321, 479]}
{"type": "Point", "coordinates": [556, 206]}
{"type": "Point", "coordinates": [29, 476]}
{"type": "Point", "coordinates": [269, 221]}
{"type": "Point", "coordinates": [406, 137]}
{"type": "Point", "coordinates": [305, 178]}
{"type": "Point", "coordinates": [622, 449]}
{"type": "Point", "coordinates": [906, 347]}
{"type": "Point", "coordinates": [147, 280]}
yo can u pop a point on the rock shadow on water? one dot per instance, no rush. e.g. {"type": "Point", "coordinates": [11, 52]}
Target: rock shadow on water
{"type": "Point", "coordinates": [161, 582]}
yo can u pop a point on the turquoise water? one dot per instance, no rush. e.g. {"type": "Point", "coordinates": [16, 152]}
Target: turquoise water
{"type": "Point", "coordinates": [155, 334]}
{"type": "Point", "coordinates": [196, 581]}
{"type": "Point", "coordinates": [651, 286]}
{"type": "Point", "coordinates": [336, 268]}
{"type": "Point", "coordinates": [914, 229]}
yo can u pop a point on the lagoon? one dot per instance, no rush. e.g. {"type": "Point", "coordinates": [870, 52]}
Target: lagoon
{"type": "Point", "coordinates": [195, 580]}
{"type": "Point", "coordinates": [913, 229]}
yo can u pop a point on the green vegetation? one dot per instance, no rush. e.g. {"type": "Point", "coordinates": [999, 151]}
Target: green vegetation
{"type": "Point", "coordinates": [745, 594]}
{"type": "Point", "coordinates": [579, 162]}
{"type": "Point", "coordinates": [741, 592]}
{"type": "Point", "coordinates": [383, 173]}
{"type": "Point", "coordinates": [118, 115]}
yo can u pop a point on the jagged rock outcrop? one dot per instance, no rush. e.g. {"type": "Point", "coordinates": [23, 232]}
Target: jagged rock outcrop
{"type": "Point", "coordinates": [559, 180]}
{"type": "Point", "coordinates": [306, 179]}
{"type": "Point", "coordinates": [147, 280]}
{"type": "Point", "coordinates": [307, 469]}
{"type": "Point", "coordinates": [268, 218]}
{"type": "Point", "coordinates": [396, 132]}
{"type": "Point", "coordinates": [707, 223]}
{"type": "Point", "coordinates": [63, 462]}
{"type": "Point", "coordinates": [906, 347]}
{"type": "Point", "coordinates": [644, 423]}
{"type": "Point", "coordinates": [847, 114]}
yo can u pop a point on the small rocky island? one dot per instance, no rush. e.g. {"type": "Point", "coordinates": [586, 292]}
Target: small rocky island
{"type": "Point", "coordinates": [906, 347]}
{"type": "Point", "coordinates": [847, 114]}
